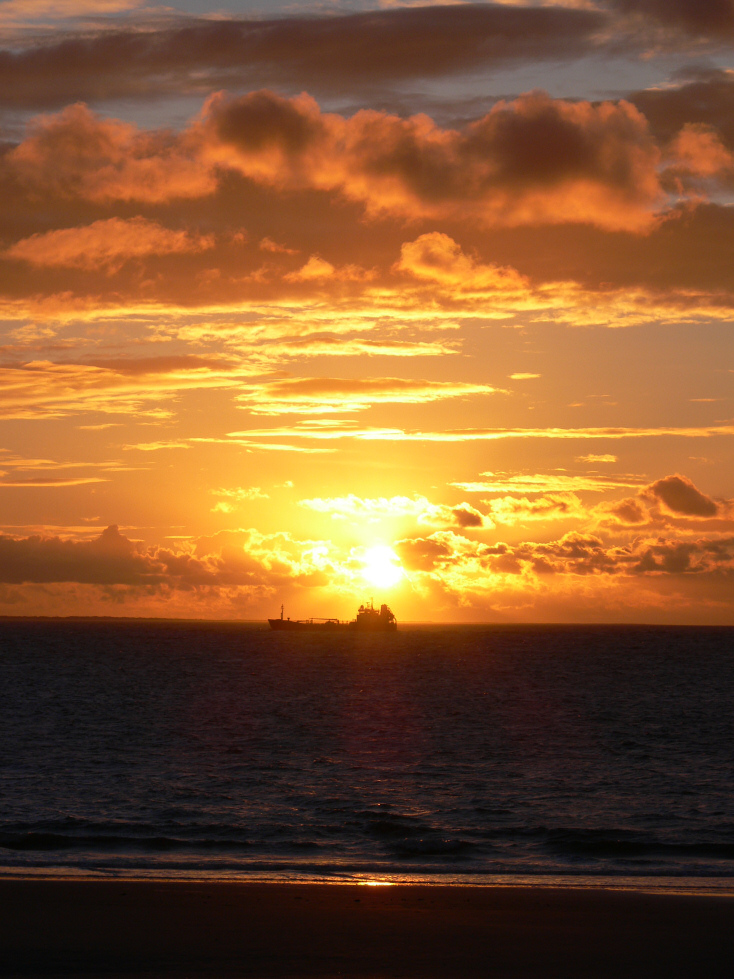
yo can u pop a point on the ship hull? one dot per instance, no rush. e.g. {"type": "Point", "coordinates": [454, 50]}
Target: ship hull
{"type": "Point", "coordinates": [293, 625]}
{"type": "Point", "coordinates": [368, 620]}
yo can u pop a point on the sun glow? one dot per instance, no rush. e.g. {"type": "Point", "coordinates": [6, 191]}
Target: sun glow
{"type": "Point", "coordinates": [382, 566]}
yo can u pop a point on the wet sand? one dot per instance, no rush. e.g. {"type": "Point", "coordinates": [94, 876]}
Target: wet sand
{"type": "Point", "coordinates": [183, 929]}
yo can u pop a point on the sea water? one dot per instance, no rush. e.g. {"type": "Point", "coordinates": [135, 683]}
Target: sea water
{"type": "Point", "coordinates": [474, 753]}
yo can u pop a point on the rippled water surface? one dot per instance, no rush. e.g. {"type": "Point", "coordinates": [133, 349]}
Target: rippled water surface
{"type": "Point", "coordinates": [461, 751]}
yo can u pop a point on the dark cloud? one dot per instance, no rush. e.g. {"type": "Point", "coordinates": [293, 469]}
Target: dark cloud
{"type": "Point", "coordinates": [467, 516]}
{"type": "Point", "coordinates": [338, 53]}
{"type": "Point", "coordinates": [706, 99]}
{"type": "Point", "coordinates": [691, 248]}
{"type": "Point", "coordinates": [335, 53]}
{"type": "Point", "coordinates": [679, 494]}
{"type": "Point", "coordinates": [574, 553]}
{"type": "Point", "coordinates": [700, 18]}
{"type": "Point", "coordinates": [110, 559]}
{"type": "Point", "coordinates": [160, 365]}
{"type": "Point", "coordinates": [628, 512]}
{"type": "Point", "coordinates": [677, 557]}
{"type": "Point", "coordinates": [534, 159]}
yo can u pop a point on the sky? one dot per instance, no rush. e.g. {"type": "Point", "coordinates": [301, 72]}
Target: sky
{"type": "Point", "coordinates": [316, 303]}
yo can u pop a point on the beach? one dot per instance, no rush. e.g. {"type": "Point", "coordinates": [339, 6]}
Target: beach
{"type": "Point", "coordinates": [177, 929]}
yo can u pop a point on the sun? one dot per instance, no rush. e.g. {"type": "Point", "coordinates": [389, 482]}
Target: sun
{"type": "Point", "coordinates": [382, 566]}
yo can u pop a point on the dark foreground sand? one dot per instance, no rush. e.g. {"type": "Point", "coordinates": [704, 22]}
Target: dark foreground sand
{"type": "Point", "coordinates": [143, 928]}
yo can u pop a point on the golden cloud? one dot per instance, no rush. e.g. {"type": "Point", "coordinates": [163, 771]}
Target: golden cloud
{"type": "Point", "coordinates": [417, 507]}
{"type": "Point", "coordinates": [548, 482]}
{"type": "Point", "coordinates": [76, 154]}
{"type": "Point", "coordinates": [42, 389]}
{"type": "Point", "coordinates": [311, 395]}
{"type": "Point", "coordinates": [437, 258]}
{"type": "Point", "coordinates": [106, 244]}
{"type": "Point", "coordinates": [350, 430]}
{"type": "Point", "coordinates": [512, 510]}
{"type": "Point", "coordinates": [470, 565]}
{"type": "Point", "coordinates": [345, 346]}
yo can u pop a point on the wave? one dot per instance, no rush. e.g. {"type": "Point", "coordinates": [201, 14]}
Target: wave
{"type": "Point", "coordinates": [369, 835]}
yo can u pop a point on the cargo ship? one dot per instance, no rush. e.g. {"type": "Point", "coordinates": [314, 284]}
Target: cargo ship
{"type": "Point", "coordinates": [369, 619]}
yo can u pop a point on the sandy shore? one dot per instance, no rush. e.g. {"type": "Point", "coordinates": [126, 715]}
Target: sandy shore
{"type": "Point", "coordinates": [144, 928]}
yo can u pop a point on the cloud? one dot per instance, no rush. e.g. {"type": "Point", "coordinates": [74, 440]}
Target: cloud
{"type": "Point", "coordinates": [466, 565]}
{"type": "Point", "coordinates": [172, 364]}
{"type": "Point", "coordinates": [76, 154]}
{"type": "Point", "coordinates": [27, 13]}
{"type": "Point", "coordinates": [317, 269]}
{"type": "Point", "coordinates": [678, 494]}
{"type": "Point", "coordinates": [530, 160]}
{"type": "Point", "coordinates": [230, 559]}
{"type": "Point", "coordinates": [436, 257]}
{"type": "Point", "coordinates": [308, 395]}
{"type": "Point", "coordinates": [342, 52]}
{"type": "Point", "coordinates": [51, 481]}
{"type": "Point", "coordinates": [253, 446]}
{"type": "Point", "coordinates": [336, 53]}
{"type": "Point", "coordinates": [337, 429]}
{"type": "Point", "coordinates": [160, 444]}
{"type": "Point", "coordinates": [240, 493]}
{"type": "Point", "coordinates": [683, 557]}
{"type": "Point", "coordinates": [43, 389]}
{"type": "Point", "coordinates": [340, 346]}
{"type": "Point", "coordinates": [268, 245]}
{"type": "Point", "coordinates": [547, 483]}
{"type": "Point", "coordinates": [21, 471]}
{"type": "Point", "coordinates": [246, 568]}
{"type": "Point", "coordinates": [232, 498]}
{"type": "Point", "coordinates": [268, 158]}
{"type": "Point", "coordinates": [109, 559]}
{"type": "Point", "coordinates": [511, 510]}
{"type": "Point", "coordinates": [243, 559]}
{"type": "Point", "coordinates": [699, 152]}
{"type": "Point", "coordinates": [552, 501]}
{"type": "Point", "coordinates": [490, 435]}
{"type": "Point", "coordinates": [417, 507]}
{"type": "Point", "coordinates": [106, 244]}
{"type": "Point", "coordinates": [699, 18]}
{"type": "Point", "coordinates": [670, 503]}
{"type": "Point", "coordinates": [623, 513]}
{"type": "Point", "coordinates": [704, 98]}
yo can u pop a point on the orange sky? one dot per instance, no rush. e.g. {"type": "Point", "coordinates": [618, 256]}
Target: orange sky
{"type": "Point", "coordinates": [309, 304]}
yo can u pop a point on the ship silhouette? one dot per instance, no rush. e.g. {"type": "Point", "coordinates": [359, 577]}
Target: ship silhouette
{"type": "Point", "coordinates": [368, 619]}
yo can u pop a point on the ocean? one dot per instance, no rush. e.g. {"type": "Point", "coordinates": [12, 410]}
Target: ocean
{"type": "Point", "coordinates": [444, 753]}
